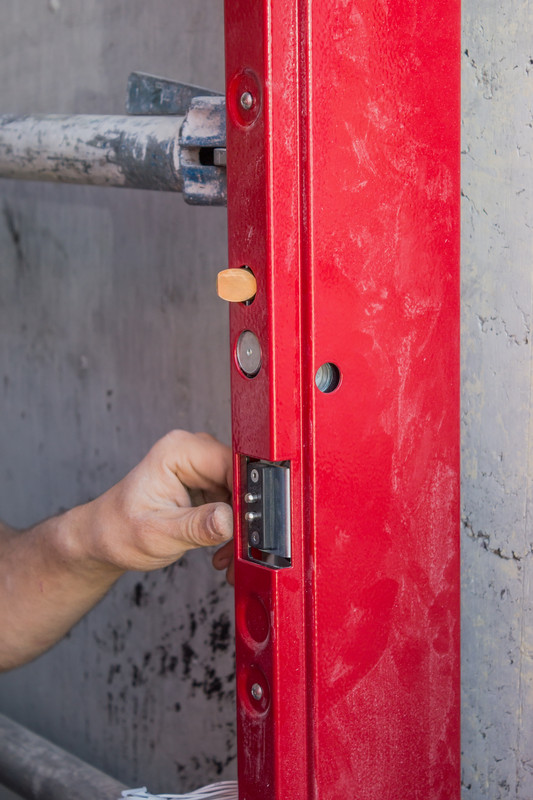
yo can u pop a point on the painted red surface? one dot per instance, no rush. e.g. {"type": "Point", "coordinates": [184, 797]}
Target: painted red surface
{"type": "Point", "coordinates": [343, 198]}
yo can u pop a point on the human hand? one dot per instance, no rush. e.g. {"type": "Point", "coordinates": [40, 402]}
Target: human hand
{"type": "Point", "coordinates": [177, 498]}
{"type": "Point", "coordinates": [224, 559]}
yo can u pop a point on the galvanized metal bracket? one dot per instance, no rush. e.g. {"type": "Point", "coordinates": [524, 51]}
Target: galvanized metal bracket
{"type": "Point", "coordinates": [202, 154]}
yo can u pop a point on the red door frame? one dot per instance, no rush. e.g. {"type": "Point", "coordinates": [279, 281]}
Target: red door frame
{"type": "Point", "coordinates": [343, 198]}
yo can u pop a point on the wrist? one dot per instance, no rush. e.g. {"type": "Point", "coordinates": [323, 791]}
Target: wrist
{"type": "Point", "coordinates": [74, 542]}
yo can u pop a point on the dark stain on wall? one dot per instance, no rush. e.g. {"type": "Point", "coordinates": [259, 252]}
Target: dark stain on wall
{"type": "Point", "coordinates": [187, 669]}
{"type": "Point", "coordinates": [140, 597]}
{"type": "Point", "coordinates": [220, 633]}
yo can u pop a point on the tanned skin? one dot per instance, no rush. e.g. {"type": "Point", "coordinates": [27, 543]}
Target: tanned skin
{"type": "Point", "coordinates": [176, 499]}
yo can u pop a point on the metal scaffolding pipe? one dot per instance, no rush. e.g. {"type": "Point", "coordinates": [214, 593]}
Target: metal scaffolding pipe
{"type": "Point", "coordinates": [39, 770]}
{"type": "Point", "coordinates": [138, 152]}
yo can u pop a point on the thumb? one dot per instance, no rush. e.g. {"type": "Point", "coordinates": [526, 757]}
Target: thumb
{"type": "Point", "coordinates": [206, 525]}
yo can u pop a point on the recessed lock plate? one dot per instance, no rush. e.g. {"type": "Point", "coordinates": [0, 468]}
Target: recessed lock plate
{"type": "Point", "coordinates": [267, 512]}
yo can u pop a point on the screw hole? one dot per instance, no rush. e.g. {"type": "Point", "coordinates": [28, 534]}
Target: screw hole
{"type": "Point", "coordinates": [327, 377]}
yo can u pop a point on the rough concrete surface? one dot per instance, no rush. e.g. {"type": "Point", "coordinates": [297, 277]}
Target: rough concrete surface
{"type": "Point", "coordinates": [497, 535]}
{"type": "Point", "coordinates": [111, 333]}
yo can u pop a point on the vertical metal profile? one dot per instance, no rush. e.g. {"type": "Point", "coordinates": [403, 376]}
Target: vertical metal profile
{"type": "Point", "coordinates": [343, 199]}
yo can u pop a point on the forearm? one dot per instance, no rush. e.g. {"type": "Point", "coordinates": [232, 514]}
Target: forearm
{"type": "Point", "coordinates": [5, 530]}
{"type": "Point", "coordinates": [47, 582]}
{"type": "Point", "coordinates": [53, 573]}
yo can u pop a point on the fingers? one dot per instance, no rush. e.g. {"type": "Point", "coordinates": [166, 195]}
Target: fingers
{"type": "Point", "coordinates": [151, 512]}
{"type": "Point", "coordinates": [223, 559]}
{"type": "Point", "coordinates": [206, 525]}
{"type": "Point", "coordinates": [197, 460]}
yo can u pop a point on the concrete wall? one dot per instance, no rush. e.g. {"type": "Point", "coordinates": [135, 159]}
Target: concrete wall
{"type": "Point", "coordinates": [497, 534]}
{"type": "Point", "coordinates": [111, 333]}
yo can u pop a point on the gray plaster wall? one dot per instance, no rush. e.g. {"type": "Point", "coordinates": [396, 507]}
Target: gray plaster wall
{"type": "Point", "coordinates": [497, 534]}
{"type": "Point", "coordinates": [111, 333]}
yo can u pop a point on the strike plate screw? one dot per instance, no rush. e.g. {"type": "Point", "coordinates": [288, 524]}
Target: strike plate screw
{"type": "Point", "coordinates": [254, 538]}
{"type": "Point", "coordinates": [254, 476]}
{"type": "Point", "coordinates": [247, 101]}
{"type": "Point", "coordinates": [257, 691]}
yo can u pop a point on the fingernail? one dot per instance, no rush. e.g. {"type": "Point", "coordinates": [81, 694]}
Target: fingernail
{"type": "Point", "coordinates": [222, 518]}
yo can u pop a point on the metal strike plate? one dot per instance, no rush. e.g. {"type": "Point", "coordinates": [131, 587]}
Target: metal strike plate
{"type": "Point", "coordinates": [267, 513]}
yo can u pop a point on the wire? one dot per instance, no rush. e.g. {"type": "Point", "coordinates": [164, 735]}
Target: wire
{"type": "Point", "coordinates": [223, 790]}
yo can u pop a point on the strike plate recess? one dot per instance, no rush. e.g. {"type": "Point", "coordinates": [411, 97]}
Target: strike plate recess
{"type": "Point", "coordinates": [266, 511]}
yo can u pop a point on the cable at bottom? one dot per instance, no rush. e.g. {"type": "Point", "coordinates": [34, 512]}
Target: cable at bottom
{"type": "Point", "coordinates": [223, 790]}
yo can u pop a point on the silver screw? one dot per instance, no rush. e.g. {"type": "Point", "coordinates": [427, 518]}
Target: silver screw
{"type": "Point", "coordinates": [249, 497]}
{"type": "Point", "coordinates": [247, 101]}
{"type": "Point", "coordinates": [254, 476]}
{"type": "Point", "coordinates": [254, 538]}
{"type": "Point", "coordinates": [251, 516]}
{"type": "Point", "coordinates": [257, 691]}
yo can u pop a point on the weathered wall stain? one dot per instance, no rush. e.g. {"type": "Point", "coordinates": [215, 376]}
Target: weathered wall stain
{"type": "Point", "coordinates": [14, 231]}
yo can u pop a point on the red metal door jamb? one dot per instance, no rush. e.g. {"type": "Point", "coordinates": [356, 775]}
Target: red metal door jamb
{"type": "Point", "coordinates": [343, 199]}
